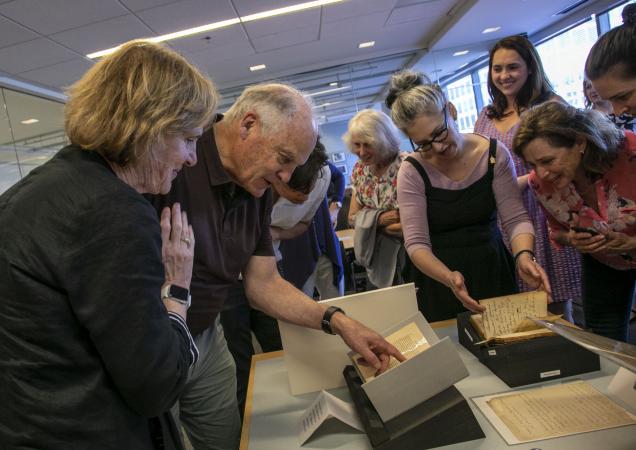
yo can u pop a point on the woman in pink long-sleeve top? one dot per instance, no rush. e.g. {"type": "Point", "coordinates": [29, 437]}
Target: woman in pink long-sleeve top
{"type": "Point", "coordinates": [449, 193]}
{"type": "Point", "coordinates": [516, 82]}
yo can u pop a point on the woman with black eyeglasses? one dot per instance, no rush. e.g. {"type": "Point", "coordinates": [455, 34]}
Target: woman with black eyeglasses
{"type": "Point", "coordinates": [450, 191]}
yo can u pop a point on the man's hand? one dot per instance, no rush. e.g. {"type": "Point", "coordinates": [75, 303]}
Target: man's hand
{"type": "Point", "coordinates": [370, 345]}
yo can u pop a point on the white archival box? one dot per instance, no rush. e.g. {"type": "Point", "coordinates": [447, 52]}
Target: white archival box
{"type": "Point", "coordinates": [315, 360]}
{"type": "Point", "coordinates": [419, 378]}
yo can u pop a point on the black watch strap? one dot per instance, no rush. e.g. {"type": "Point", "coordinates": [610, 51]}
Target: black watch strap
{"type": "Point", "coordinates": [325, 323]}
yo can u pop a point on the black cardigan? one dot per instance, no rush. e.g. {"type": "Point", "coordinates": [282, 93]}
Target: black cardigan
{"type": "Point", "coordinates": [87, 351]}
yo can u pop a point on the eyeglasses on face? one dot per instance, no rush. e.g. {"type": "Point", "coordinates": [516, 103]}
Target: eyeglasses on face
{"type": "Point", "coordinates": [438, 137]}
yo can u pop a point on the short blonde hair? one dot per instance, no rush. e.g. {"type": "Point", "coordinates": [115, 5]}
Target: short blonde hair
{"type": "Point", "coordinates": [374, 128]}
{"type": "Point", "coordinates": [127, 101]}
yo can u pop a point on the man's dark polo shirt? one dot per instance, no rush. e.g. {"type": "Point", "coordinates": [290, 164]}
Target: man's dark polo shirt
{"type": "Point", "coordinates": [229, 226]}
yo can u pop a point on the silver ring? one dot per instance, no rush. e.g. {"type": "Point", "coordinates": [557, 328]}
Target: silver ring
{"type": "Point", "coordinates": [186, 240]}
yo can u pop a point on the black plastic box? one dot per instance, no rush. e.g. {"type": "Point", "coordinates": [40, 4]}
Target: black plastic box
{"type": "Point", "coordinates": [443, 419]}
{"type": "Point", "coordinates": [531, 361]}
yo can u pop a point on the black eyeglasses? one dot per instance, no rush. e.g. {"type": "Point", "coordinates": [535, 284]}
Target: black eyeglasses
{"type": "Point", "coordinates": [437, 137]}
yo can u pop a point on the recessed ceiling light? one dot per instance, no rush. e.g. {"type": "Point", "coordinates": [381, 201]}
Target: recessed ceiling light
{"type": "Point", "coordinates": [460, 53]}
{"type": "Point", "coordinates": [333, 83]}
{"type": "Point", "coordinates": [226, 23]}
{"type": "Point", "coordinates": [258, 67]}
{"type": "Point", "coordinates": [328, 91]}
{"type": "Point", "coordinates": [366, 44]}
{"type": "Point", "coordinates": [491, 30]}
{"type": "Point", "coordinates": [324, 105]}
{"type": "Point", "coordinates": [29, 121]}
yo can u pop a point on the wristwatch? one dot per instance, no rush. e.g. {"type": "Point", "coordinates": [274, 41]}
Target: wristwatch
{"type": "Point", "coordinates": [325, 323]}
{"type": "Point", "coordinates": [176, 293]}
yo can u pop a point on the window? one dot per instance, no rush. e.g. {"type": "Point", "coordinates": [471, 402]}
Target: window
{"type": "Point", "coordinates": [563, 58]}
{"type": "Point", "coordinates": [482, 74]}
{"type": "Point", "coordinates": [31, 132]}
{"type": "Point", "coordinates": [460, 92]}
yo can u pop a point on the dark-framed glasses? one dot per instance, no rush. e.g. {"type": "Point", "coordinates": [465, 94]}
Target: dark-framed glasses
{"type": "Point", "coordinates": [437, 137]}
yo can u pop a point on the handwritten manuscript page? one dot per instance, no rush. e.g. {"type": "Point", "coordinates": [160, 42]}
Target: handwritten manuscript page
{"type": "Point", "coordinates": [555, 411]}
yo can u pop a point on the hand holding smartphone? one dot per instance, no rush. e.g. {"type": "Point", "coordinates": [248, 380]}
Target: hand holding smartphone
{"type": "Point", "coordinates": [589, 230]}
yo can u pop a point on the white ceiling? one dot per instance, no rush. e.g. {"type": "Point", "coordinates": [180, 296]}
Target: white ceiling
{"type": "Point", "coordinates": [44, 42]}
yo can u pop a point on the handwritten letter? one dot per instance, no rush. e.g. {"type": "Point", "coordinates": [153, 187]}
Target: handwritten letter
{"type": "Point", "coordinates": [555, 411]}
{"type": "Point", "coordinates": [507, 314]}
{"type": "Point", "coordinates": [408, 340]}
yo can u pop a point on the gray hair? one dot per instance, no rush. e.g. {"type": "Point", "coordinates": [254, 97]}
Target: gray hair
{"type": "Point", "coordinates": [561, 125]}
{"type": "Point", "coordinates": [412, 94]}
{"type": "Point", "coordinates": [275, 103]}
{"type": "Point", "coordinates": [374, 128]}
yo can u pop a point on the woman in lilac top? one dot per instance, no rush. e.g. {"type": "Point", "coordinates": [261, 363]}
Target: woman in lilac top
{"type": "Point", "coordinates": [516, 82]}
{"type": "Point", "coordinates": [450, 192]}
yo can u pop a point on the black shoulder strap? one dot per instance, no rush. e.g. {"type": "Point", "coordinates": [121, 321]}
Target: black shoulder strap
{"type": "Point", "coordinates": [421, 171]}
{"type": "Point", "coordinates": [492, 156]}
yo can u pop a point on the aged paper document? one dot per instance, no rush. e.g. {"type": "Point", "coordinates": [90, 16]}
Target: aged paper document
{"type": "Point", "coordinates": [553, 411]}
{"type": "Point", "coordinates": [507, 314]}
{"type": "Point", "coordinates": [409, 340]}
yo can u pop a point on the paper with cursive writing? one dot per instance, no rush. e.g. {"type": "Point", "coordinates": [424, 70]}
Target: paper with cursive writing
{"type": "Point", "coordinates": [507, 314]}
{"type": "Point", "coordinates": [553, 411]}
{"type": "Point", "coordinates": [409, 340]}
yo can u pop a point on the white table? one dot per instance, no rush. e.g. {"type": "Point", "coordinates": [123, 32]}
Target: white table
{"type": "Point", "coordinates": [272, 413]}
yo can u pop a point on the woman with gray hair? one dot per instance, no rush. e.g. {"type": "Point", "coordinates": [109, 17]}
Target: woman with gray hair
{"type": "Point", "coordinates": [583, 176]}
{"type": "Point", "coordinates": [450, 192]}
{"type": "Point", "coordinates": [373, 138]}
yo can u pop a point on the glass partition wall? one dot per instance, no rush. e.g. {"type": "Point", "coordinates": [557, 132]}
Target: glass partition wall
{"type": "Point", "coordinates": [31, 132]}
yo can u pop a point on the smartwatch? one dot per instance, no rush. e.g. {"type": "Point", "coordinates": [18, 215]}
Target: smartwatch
{"type": "Point", "coordinates": [325, 323]}
{"type": "Point", "coordinates": [176, 293]}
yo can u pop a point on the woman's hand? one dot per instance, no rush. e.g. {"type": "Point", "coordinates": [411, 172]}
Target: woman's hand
{"type": "Point", "coordinates": [388, 217]}
{"type": "Point", "coordinates": [456, 284]}
{"type": "Point", "coordinates": [393, 230]}
{"type": "Point", "coordinates": [586, 242]}
{"type": "Point", "coordinates": [617, 242]}
{"type": "Point", "coordinates": [177, 246]}
{"type": "Point", "coordinates": [533, 274]}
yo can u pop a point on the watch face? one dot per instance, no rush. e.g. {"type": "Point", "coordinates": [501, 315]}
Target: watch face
{"type": "Point", "coordinates": [178, 292]}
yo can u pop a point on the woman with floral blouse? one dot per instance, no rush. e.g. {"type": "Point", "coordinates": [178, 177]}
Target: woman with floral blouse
{"type": "Point", "coordinates": [373, 138]}
{"type": "Point", "coordinates": [583, 176]}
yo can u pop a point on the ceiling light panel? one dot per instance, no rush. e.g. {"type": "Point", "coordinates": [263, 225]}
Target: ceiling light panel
{"type": "Point", "coordinates": [226, 23]}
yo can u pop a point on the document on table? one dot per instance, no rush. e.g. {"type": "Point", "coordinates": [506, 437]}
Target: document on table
{"type": "Point", "coordinates": [409, 340]}
{"type": "Point", "coordinates": [553, 411]}
{"type": "Point", "coordinates": [507, 314]}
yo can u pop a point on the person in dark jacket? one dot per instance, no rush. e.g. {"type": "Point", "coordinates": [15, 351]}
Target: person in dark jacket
{"type": "Point", "coordinates": [94, 344]}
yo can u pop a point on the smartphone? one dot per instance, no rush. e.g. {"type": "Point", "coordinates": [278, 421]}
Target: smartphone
{"type": "Point", "coordinates": [592, 231]}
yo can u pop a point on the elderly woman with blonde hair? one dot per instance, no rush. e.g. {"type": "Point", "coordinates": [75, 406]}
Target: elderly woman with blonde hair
{"type": "Point", "coordinates": [95, 287]}
{"type": "Point", "coordinates": [373, 138]}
